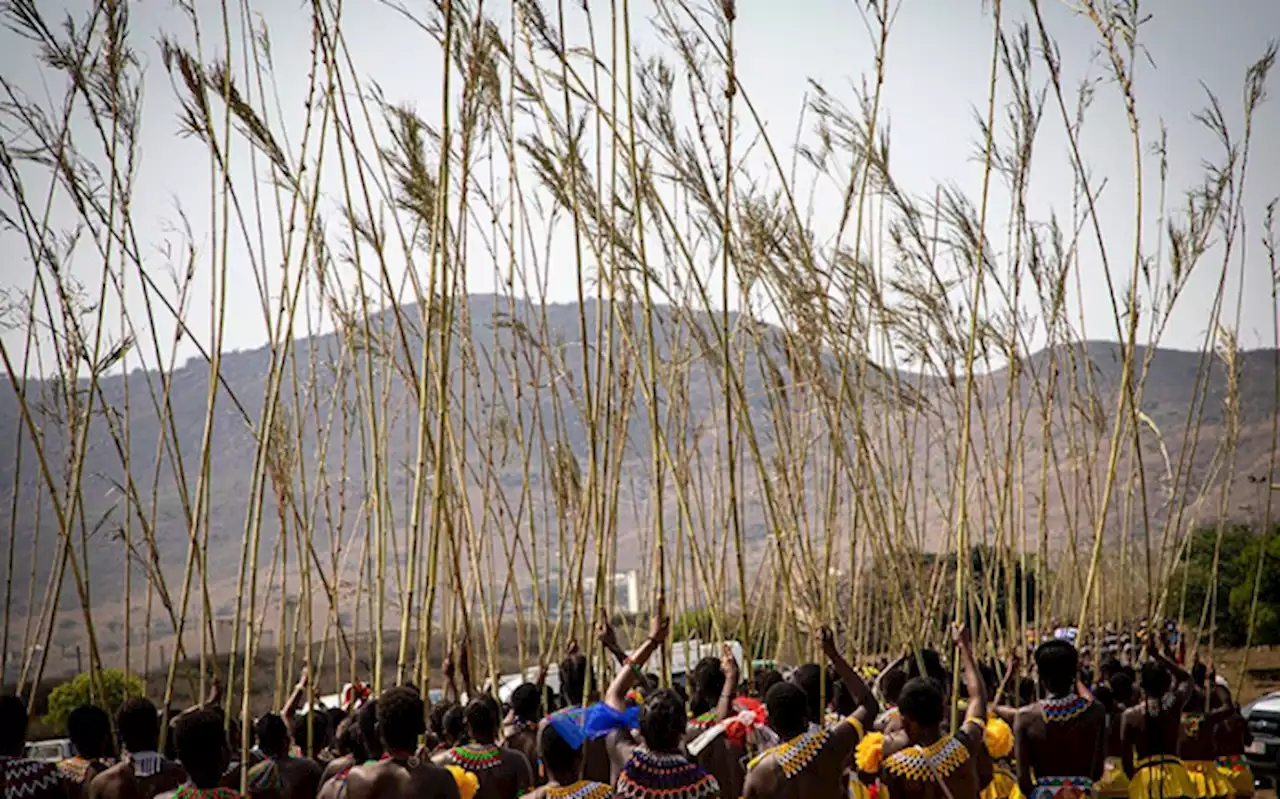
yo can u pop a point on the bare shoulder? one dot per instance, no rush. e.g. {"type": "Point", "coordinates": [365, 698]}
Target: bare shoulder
{"type": "Point", "coordinates": [440, 782]}
{"type": "Point", "coordinates": [763, 776]}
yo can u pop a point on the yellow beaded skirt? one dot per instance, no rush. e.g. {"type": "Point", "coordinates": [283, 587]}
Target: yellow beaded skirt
{"type": "Point", "coordinates": [1114, 783]}
{"type": "Point", "coordinates": [1161, 777]}
{"type": "Point", "coordinates": [1235, 769]}
{"type": "Point", "coordinates": [1208, 780]}
{"type": "Point", "coordinates": [1002, 786]}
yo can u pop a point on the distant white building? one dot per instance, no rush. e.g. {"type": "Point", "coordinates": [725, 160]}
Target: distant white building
{"type": "Point", "coordinates": [625, 587]}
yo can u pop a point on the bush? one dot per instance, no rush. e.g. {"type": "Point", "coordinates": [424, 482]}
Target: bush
{"type": "Point", "coordinates": [115, 689]}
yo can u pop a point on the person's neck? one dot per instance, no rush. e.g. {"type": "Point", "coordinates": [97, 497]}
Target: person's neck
{"type": "Point", "coordinates": [927, 737]}
{"type": "Point", "coordinates": [483, 740]}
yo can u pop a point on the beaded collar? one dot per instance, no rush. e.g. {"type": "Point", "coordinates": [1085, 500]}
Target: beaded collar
{"type": "Point", "coordinates": [937, 761]}
{"type": "Point", "coordinates": [704, 721]}
{"type": "Point", "coordinates": [145, 764]}
{"type": "Point", "coordinates": [192, 792]}
{"type": "Point", "coordinates": [1191, 724]}
{"type": "Point", "coordinates": [1061, 709]}
{"type": "Point", "coordinates": [476, 757]}
{"type": "Point", "coordinates": [584, 789]}
{"type": "Point", "coordinates": [76, 769]}
{"type": "Point", "coordinates": [648, 774]}
{"type": "Point", "coordinates": [795, 755]}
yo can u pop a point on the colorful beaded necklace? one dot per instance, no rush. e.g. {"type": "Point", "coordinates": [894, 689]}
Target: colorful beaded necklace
{"type": "Point", "coordinates": [934, 762]}
{"type": "Point", "coordinates": [649, 774]}
{"type": "Point", "coordinates": [1060, 709]}
{"type": "Point", "coordinates": [476, 757]}
{"type": "Point", "coordinates": [583, 789]}
{"type": "Point", "coordinates": [1191, 724]}
{"type": "Point", "coordinates": [704, 721]}
{"type": "Point", "coordinates": [794, 755]}
{"type": "Point", "coordinates": [192, 792]}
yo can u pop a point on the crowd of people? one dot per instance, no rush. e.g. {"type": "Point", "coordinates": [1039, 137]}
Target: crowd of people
{"type": "Point", "coordinates": [1143, 727]}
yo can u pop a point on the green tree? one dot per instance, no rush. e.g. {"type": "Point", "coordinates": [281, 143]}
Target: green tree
{"type": "Point", "coordinates": [115, 689]}
{"type": "Point", "coordinates": [1235, 577]}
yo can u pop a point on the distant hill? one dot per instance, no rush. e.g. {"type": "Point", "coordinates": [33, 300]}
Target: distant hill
{"type": "Point", "coordinates": [492, 326]}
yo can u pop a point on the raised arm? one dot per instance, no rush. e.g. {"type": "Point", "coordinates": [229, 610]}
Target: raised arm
{"type": "Point", "coordinates": [999, 704]}
{"type": "Point", "coordinates": [729, 665]}
{"type": "Point", "coordinates": [868, 707]}
{"type": "Point", "coordinates": [608, 638]}
{"type": "Point", "coordinates": [464, 667]}
{"type": "Point", "coordinates": [450, 677]}
{"type": "Point", "coordinates": [294, 701]}
{"type": "Point", "coordinates": [628, 675]}
{"type": "Point", "coordinates": [977, 708]}
{"type": "Point", "coordinates": [1183, 683]}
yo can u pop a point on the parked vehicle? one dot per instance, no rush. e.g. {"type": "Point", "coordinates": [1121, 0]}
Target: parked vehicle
{"type": "Point", "coordinates": [54, 750]}
{"type": "Point", "coordinates": [1263, 753]}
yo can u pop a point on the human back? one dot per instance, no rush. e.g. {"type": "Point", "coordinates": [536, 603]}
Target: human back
{"type": "Point", "coordinates": [1060, 740]}
{"type": "Point", "coordinates": [502, 773]}
{"type": "Point", "coordinates": [23, 778]}
{"type": "Point", "coordinates": [934, 764]}
{"type": "Point", "coordinates": [142, 772]}
{"type": "Point", "coordinates": [400, 774]}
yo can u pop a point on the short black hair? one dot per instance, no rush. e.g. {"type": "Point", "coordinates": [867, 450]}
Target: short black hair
{"type": "Point", "coordinates": [706, 682]}
{"type": "Point", "coordinates": [138, 723]}
{"type": "Point", "coordinates": [1109, 667]}
{"type": "Point", "coordinates": [13, 726]}
{"type": "Point", "coordinates": [273, 735]}
{"type": "Point", "coordinates": [816, 685]}
{"type": "Point", "coordinates": [933, 667]}
{"type": "Point", "coordinates": [367, 726]}
{"type": "Point", "coordinates": [455, 725]}
{"type": "Point", "coordinates": [921, 701]}
{"type": "Point", "coordinates": [1105, 696]}
{"type": "Point", "coordinates": [401, 718]}
{"type": "Point", "coordinates": [891, 684]}
{"type": "Point", "coordinates": [435, 719]}
{"type": "Point", "coordinates": [765, 679]}
{"type": "Point", "coordinates": [350, 742]}
{"type": "Point", "coordinates": [317, 728]}
{"type": "Point", "coordinates": [787, 706]}
{"type": "Point", "coordinates": [1058, 665]}
{"type": "Point", "coordinates": [89, 728]}
{"type": "Point", "coordinates": [482, 722]}
{"type": "Point", "coordinates": [573, 677]}
{"type": "Point", "coordinates": [1121, 688]}
{"type": "Point", "coordinates": [1154, 680]}
{"type": "Point", "coordinates": [526, 702]}
{"type": "Point", "coordinates": [1199, 673]}
{"type": "Point", "coordinates": [202, 747]}
{"type": "Point", "coordinates": [556, 753]}
{"type": "Point", "coordinates": [663, 721]}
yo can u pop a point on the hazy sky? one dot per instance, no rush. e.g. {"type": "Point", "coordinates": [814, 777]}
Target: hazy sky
{"type": "Point", "coordinates": [938, 61]}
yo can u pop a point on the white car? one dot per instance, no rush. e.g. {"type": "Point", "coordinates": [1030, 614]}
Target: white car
{"type": "Point", "coordinates": [1263, 751]}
